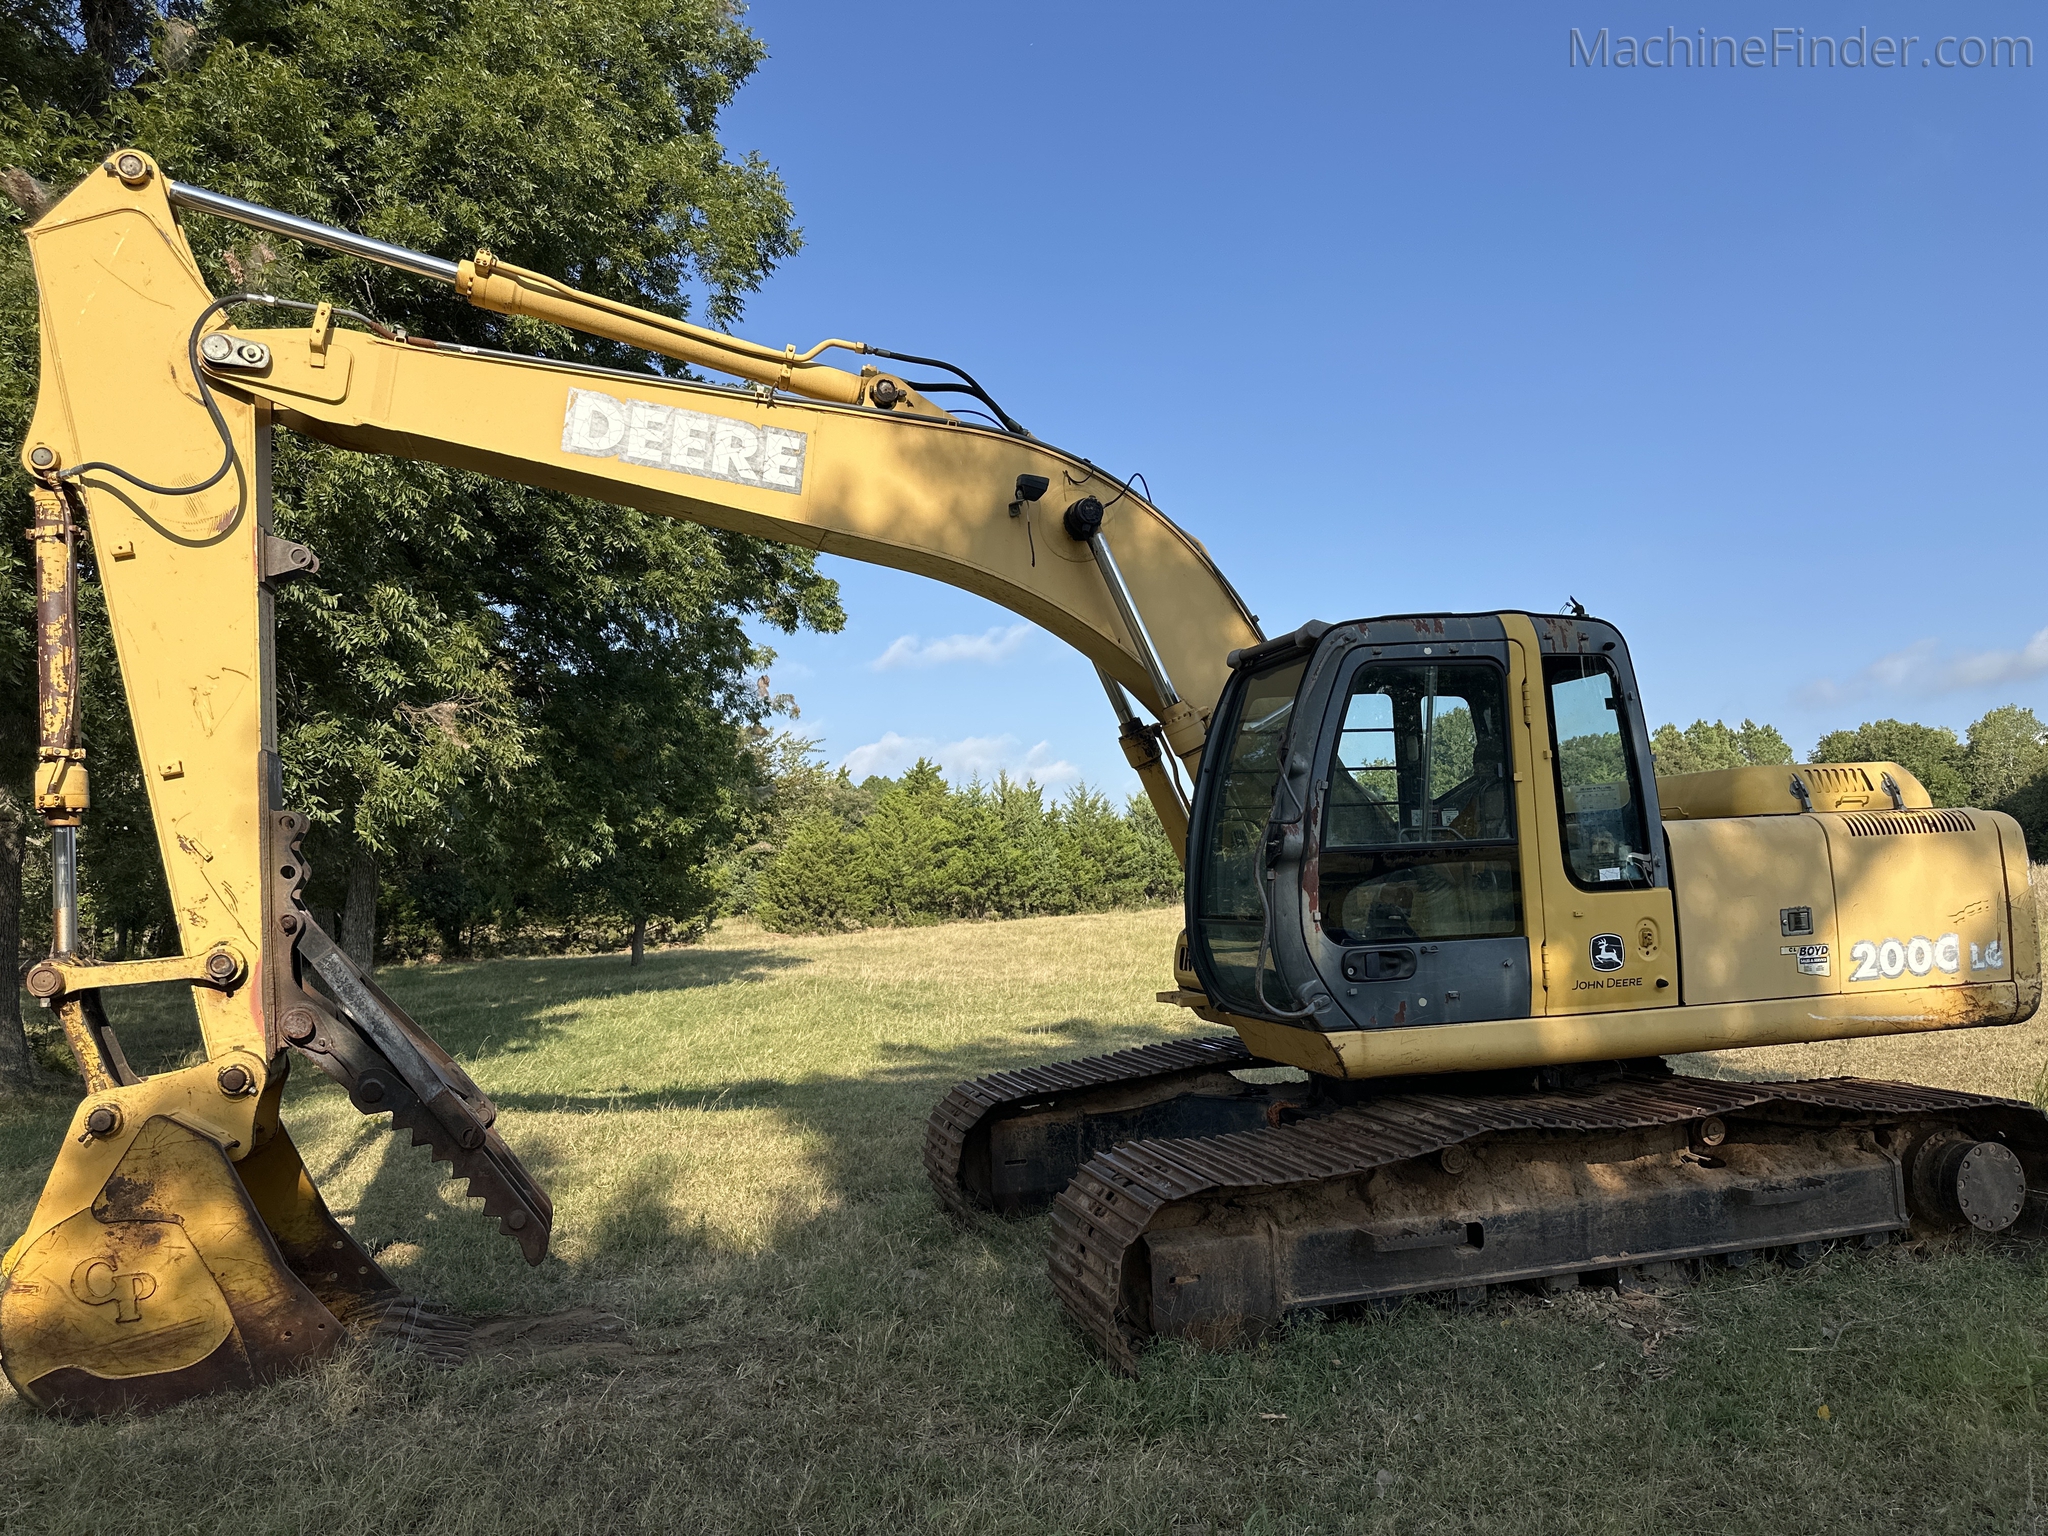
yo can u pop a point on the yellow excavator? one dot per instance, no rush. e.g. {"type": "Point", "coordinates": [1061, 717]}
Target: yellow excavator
{"type": "Point", "coordinates": [1428, 863]}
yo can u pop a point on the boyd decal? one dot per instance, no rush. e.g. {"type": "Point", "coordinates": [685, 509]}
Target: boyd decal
{"type": "Point", "coordinates": [689, 442]}
{"type": "Point", "coordinates": [1813, 958]}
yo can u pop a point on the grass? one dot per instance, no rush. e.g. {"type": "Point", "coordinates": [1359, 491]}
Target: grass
{"type": "Point", "coordinates": [754, 1319]}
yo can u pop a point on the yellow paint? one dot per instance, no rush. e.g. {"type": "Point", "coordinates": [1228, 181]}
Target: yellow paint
{"type": "Point", "coordinates": [1734, 878]}
{"type": "Point", "coordinates": [920, 493]}
{"type": "Point", "coordinates": [1538, 1042]}
{"type": "Point", "coordinates": [119, 292]}
{"type": "Point", "coordinates": [190, 1095]}
{"type": "Point", "coordinates": [2022, 915]}
{"type": "Point", "coordinates": [191, 617]}
{"type": "Point", "coordinates": [1767, 791]}
{"type": "Point", "coordinates": [157, 1275]}
{"type": "Point", "coordinates": [1563, 919]}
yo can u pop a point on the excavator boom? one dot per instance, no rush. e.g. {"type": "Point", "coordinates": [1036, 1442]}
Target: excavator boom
{"type": "Point", "coordinates": [151, 437]}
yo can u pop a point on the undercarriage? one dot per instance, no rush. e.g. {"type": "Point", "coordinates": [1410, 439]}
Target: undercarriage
{"type": "Point", "coordinates": [1190, 1202]}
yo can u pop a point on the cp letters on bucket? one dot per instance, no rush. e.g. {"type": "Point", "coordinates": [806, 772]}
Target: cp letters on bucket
{"type": "Point", "coordinates": [667, 437]}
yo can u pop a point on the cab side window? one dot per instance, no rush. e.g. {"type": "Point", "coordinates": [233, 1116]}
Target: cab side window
{"type": "Point", "coordinates": [1599, 794]}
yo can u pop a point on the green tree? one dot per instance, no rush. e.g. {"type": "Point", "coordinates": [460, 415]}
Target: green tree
{"type": "Point", "coordinates": [1453, 742]}
{"type": "Point", "coordinates": [906, 842]}
{"type": "Point", "coordinates": [452, 683]}
{"type": "Point", "coordinates": [914, 850]}
{"type": "Point", "coordinates": [18, 362]}
{"type": "Point", "coordinates": [992, 864]}
{"type": "Point", "coordinates": [1931, 753]}
{"type": "Point", "coordinates": [2007, 749]}
{"type": "Point", "coordinates": [2006, 763]}
{"type": "Point", "coordinates": [817, 882]}
{"type": "Point", "coordinates": [791, 787]}
{"type": "Point", "coordinates": [1158, 860]}
{"type": "Point", "coordinates": [1703, 746]}
{"type": "Point", "coordinates": [2028, 805]}
{"type": "Point", "coordinates": [647, 658]}
{"type": "Point", "coordinates": [1115, 859]}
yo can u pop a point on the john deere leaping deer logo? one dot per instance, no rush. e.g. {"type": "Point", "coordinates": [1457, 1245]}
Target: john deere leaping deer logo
{"type": "Point", "coordinates": [1608, 953]}
{"type": "Point", "coordinates": [100, 1283]}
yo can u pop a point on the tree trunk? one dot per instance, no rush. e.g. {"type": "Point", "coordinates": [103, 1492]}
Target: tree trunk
{"type": "Point", "coordinates": [17, 1066]}
{"type": "Point", "coordinates": [639, 940]}
{"type": "Point", "coordinates": [359, 915]}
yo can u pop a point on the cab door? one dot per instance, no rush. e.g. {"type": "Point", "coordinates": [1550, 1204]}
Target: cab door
{"type": "Point", "coordinates": [1603, 927]}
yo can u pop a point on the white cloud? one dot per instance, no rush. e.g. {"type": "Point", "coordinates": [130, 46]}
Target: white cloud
{"type": "Point", "coordinates": [1042, 767]}
{"type": "Point", "coordinates": [997, 645]}
{"type": "Point", "coordinates": [1923, 669]}
{"type": "Point", "coordinates": [891, 755]}
{"type": "Point", "coordinates": [971, 757]}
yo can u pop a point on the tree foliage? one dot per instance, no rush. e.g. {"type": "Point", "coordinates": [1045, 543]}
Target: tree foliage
{"type": "Point", "coordinates": [2006, 760]}
{"type": "Point", "coordinates": [894, 852]}
{"type": "Point", "coordinates": [2004, 752]}
{"type": "Point", "coordinates": [1933, 754]}
{"type": "Point", "coordinates": [507, 697]}
{"type": "Point", "coordinates": [1999, 764]}
{"type": "Point", "coordinates": [1703, 747]}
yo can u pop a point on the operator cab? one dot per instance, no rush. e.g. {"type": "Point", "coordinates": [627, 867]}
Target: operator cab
{"type": "Point", "coordinates": [1388, 805]}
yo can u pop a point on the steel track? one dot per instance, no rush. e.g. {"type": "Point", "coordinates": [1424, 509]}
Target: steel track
{"type": "Point", "coordinates": [1100, 1221]}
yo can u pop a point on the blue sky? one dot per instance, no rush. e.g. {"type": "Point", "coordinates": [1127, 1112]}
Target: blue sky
{"type": "Point", "coordinates": [1398, 309]}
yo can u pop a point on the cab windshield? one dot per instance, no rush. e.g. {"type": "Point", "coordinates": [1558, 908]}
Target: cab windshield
{"type": "Point", "coordinates": [1228, 903]}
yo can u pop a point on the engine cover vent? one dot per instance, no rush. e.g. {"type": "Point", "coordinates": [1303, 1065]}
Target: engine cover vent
{"type": "Point", "coordinates": [1895, 823]}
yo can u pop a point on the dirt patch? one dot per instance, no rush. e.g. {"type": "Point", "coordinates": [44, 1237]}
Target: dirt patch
{"type": "Point", "coordinates": [579, 1336]}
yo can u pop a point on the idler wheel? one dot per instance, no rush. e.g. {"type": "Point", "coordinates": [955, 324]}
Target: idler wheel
{"type": "Point", "coordinates": [1958, 1179]}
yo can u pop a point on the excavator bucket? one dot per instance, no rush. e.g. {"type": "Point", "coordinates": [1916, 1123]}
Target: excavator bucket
{"type": "Point", "coordinates": [167, 1285]}
{"type": "Point", "coordinates": [159, 1266]}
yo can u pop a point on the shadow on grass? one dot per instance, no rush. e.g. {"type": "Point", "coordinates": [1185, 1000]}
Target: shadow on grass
{"type": "Point", "coordinates": [469, 1007]}
{"type": "Point", "coordinates": [857, 1140]}
{"type": "Point", "coordinates": [914, 1060]}
{"type": "Point", "coordinates": [473, 1009]}
{"type": "Point", "coordinates": [519, 1005]}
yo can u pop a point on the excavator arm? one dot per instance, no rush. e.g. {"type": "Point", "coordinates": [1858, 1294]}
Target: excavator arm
{"type": "Point", "coordinates": [180, 1246]}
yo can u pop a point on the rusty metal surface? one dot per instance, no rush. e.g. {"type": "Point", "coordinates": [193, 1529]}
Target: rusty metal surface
{"type": "Point", "coordinates": [1521, 1210]}
{"type": "Point", "coordinates": [1105, 1212]}
{"type": "Point", "coordinates": [969, 1105]}
{"type": "Point", "coordinates": [169, 1285]}
{"type": "Point", "coordinates": [318, 1249]}
{"type": "Point", "coordinates": [60, 772]}
{"type": "Point", "coordinates": [368, 1044]}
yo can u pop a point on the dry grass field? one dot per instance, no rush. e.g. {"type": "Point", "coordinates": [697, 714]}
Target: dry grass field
{"type": "Point", "coordinates": [754, 1318]}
